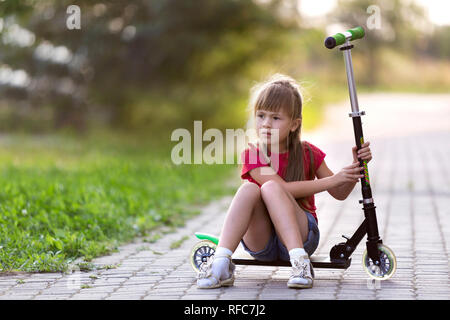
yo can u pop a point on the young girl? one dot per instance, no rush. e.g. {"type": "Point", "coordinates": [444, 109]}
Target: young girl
{"type": "Point", "coordinates": [273, 214]}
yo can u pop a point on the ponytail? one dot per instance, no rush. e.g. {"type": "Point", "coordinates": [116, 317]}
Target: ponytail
{"type": "Point", "coordinates": [295, 170]}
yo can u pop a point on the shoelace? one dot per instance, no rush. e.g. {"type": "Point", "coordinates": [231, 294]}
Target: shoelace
{"type": "Point", "coordinates": [300, 269]}
{"type": "Point", "coordinates": [205, 268]}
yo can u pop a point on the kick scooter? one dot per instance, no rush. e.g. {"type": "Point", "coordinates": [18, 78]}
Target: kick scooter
{"type": "Point", "coordinates": [378, 260]}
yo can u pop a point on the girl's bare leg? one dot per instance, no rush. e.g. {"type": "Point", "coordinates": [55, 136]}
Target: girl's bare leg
{"type": "Point", "coordinates": [291, 224]}
{"type": "Point", "coordinates": [246, 208]}
{"type": "Point", "coordinates": [259, 229]}
{"type": "Point", "coordinates": [239, 215]}
{"type": "Point", "coordinates": [289, 219]}
{"type": "Point", "coordinates": [302, 220]}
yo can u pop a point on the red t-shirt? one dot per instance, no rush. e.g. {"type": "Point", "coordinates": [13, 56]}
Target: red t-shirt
{"type": "Point", "coordinates": [251, 162]}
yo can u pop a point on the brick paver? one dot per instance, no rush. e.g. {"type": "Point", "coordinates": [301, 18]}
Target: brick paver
{"type": "Point", "coordinates": [410, 178]}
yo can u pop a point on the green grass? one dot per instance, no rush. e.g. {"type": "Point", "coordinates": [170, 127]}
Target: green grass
{"type": "Point", "coordinates": [63, 198]}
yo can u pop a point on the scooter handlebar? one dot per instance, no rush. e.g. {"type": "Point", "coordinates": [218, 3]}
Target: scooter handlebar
{"type": "Point", "coordinates": [340, 38]}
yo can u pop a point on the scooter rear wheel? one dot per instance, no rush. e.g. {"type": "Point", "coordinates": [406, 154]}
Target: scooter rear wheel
{"type": "Point", "coordinates": [201, 252]}
{"type": "Point", "coordinates": [388, 264]}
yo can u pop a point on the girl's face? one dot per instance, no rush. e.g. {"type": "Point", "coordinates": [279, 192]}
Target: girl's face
{"type": "Point", "coordinates": [269, 123]}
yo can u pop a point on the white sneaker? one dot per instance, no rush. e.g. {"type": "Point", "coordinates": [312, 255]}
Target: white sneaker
{"type": "Point", "coordinates": [206, 279]}
{"type": "Point", "coordinates": [302, 275]}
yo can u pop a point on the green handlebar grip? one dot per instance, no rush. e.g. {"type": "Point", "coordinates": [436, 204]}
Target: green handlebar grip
{"type": "Point", "coordinates": [339, 38]}
{"type": "Point", "coordinates": [357, 33]}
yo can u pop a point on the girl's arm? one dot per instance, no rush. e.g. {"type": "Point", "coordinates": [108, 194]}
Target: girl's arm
{"type": "Point", "coordinates": [338, 185]}
{"type": "Point", "coordinates": [339, 192]}
{"type": "Point", "coordinates": [298, 189]}
{"type": "Point", "coordinates": [342, 191]}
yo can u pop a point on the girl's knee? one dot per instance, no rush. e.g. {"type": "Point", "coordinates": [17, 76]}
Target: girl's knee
{"type": "Point", "coordinates": [270, 187]}
{"type": "Point", "coordinates": [250, 188]}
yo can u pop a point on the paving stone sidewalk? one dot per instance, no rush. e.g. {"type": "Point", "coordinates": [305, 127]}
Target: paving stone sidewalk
{"type": "Point", "coordinates": [410, 179]}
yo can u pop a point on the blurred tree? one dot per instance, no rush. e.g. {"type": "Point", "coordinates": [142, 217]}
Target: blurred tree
{"type": "Point", "coordinates": [438, 43]}
{"type": "Point", "coordinates": [155, 63]}
{"type": "Point", "coordinates": [399, 26]}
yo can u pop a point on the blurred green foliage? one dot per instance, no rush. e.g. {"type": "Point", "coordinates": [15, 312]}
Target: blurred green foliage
{"type": "Point", "coordinates": [141, 64]}
{"type": "Point", "coordinates": [63, 198]}
{"type": "Point", "coordinates": [153, 66]}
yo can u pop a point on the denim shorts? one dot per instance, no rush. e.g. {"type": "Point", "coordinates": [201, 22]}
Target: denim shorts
{"type": "Point", "coordinates": [275, 249]}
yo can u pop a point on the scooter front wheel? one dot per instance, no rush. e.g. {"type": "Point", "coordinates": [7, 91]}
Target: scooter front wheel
{"type": "Point", "coordinates": [201, 252]}
{"type": "Point", "coordinates": [387, 267]}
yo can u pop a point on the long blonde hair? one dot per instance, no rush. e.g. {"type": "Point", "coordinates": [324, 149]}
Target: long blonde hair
{"type": "Point", "coordinates": [283, 92]}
